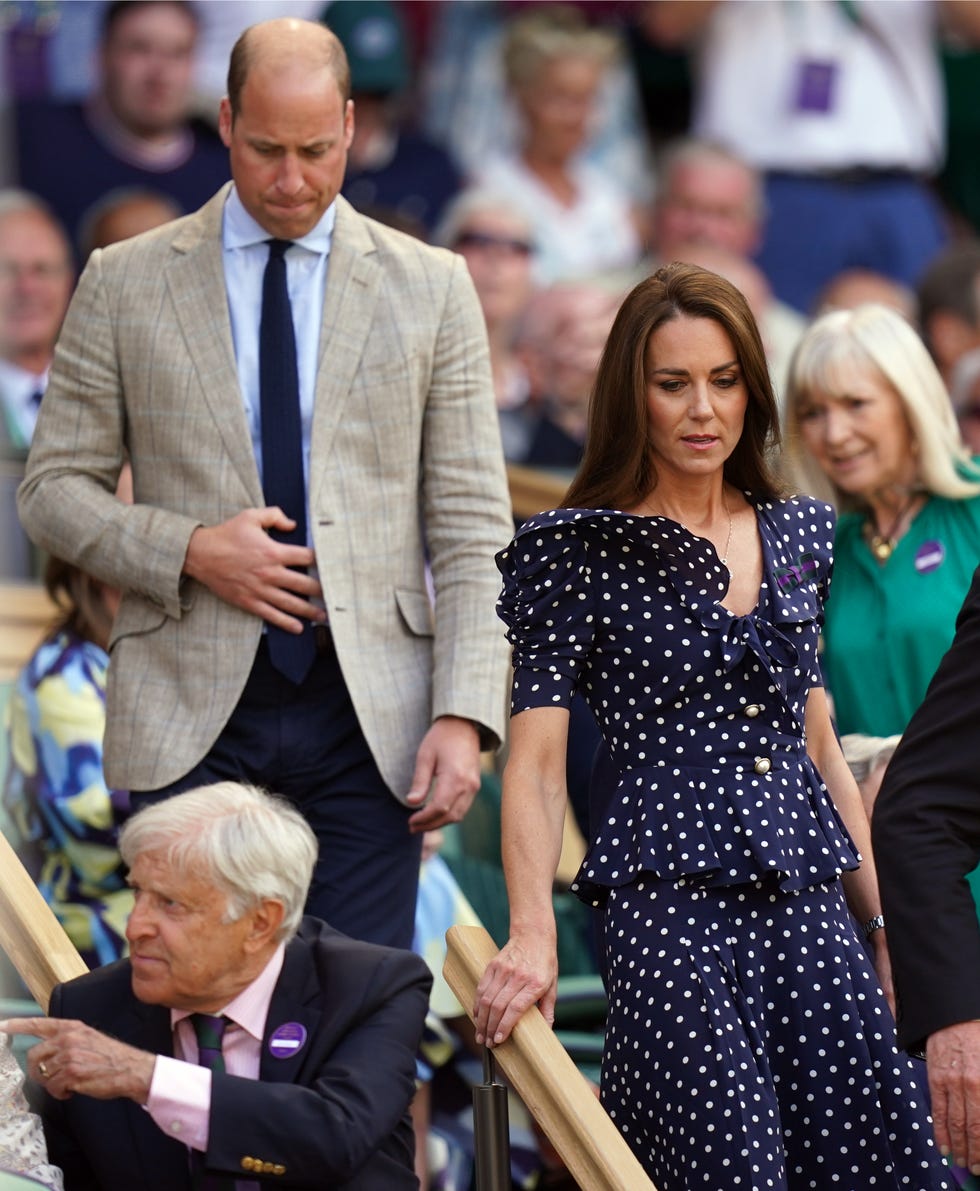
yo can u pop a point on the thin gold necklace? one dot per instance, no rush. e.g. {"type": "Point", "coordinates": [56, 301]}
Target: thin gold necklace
{"type": "Point", "coordinates": [723, 558]}
{"type": "Point", "coordinates": [728, 540]}
{"type": "Point", "coordinates": [883, 545]}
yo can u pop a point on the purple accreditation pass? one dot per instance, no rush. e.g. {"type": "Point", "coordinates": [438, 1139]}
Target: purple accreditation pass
{"type": "Point", "coordinates": [815, 85]}
{"type": "Point", "coordinates": [929, 557]}
{"type": "Point", "coordinates": [287, 1040]}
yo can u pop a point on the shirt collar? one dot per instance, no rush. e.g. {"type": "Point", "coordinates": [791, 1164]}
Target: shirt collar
{"type": "Point", "coordinates": [240, 230]}
{"type": "Point", "coordinates": [250, 1008]}
{"type": "Point", "coordinates": [18, 386]}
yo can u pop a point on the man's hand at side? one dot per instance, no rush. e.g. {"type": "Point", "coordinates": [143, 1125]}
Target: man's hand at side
{"type": "Point", "coordinates": [448, 760]}
{"type": "Point", "coordinates": [244, 566]}
{"type": "Point", "coordinates": [72, 1057]}
{"type": "Point", "coordinates": [953, 1064]}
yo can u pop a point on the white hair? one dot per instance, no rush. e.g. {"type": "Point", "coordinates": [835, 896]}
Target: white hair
{"type": "Point", "coordinates": [687, 150]}
{"type": "Point", "coordinates": [14, 201]}
{"type": "Point", "coordinates": [252, 845]}
{"type": "Point", "coordinates": [878, 336]}
{"type": "Point", "coordinates": [478, 200]}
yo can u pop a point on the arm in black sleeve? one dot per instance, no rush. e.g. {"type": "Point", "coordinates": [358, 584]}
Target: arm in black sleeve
{"type": "Point", "coordinates": [926, 834]}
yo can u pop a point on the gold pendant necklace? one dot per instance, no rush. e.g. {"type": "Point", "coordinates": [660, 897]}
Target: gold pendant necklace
{"type": "Point", "coordinates": [882, 548]}
{"type": "Point", "coordinates": [883, 545]}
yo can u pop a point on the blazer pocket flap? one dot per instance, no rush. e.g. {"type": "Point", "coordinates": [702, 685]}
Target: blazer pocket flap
{"type": "Point", "coordinates": [136, 615]}
{"type": "Point", "coordinates": [416, 610]}
{"type": "Point", "coordinates": [385, 371]}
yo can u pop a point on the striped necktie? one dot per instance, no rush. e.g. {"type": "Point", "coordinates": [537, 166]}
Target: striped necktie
{"type": "Point", "coordinates": [210, 1031]}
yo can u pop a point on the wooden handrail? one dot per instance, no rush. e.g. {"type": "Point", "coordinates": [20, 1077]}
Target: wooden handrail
{"type": "Point", "coordinates": [30, 934]}
{"type": "Point", "coordinates": [554, 1091]}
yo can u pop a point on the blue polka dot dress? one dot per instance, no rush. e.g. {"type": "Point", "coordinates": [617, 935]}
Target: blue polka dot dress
{"type": "Point", "coordinates": [748, 1044]}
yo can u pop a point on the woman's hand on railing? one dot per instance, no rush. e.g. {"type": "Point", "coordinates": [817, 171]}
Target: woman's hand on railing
{"type": "Point", "coordinates": [523, 974]}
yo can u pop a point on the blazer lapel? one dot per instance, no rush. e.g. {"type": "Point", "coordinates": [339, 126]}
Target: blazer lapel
{"type": "Point", "coordinates": [291, 1013]}
{"type": "Point", "coordinates": [196, 281]}
{"type": "Point", "coordinates": [354, 279]}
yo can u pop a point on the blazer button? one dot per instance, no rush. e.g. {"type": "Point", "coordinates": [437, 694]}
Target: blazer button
{"type": "Point", "coordinates": [762, 765]}
{"type": "Point", "coordinates": [267, 1167]}
{"type": "Point", "coordinates": [278, 1168]}
{"type": "Point", "coordinates": [752, 710]}
{"type": "Point", "coordinates": [248, 1163]}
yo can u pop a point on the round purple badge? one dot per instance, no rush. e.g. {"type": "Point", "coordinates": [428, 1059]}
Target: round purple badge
{"type": "Point", "coordinates": [287, 1040]}
{"type": "Point", "coordinates": [929, 556]}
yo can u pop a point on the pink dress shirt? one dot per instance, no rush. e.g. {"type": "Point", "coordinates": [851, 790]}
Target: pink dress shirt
{"type": "Point", "coordinates": [180, 1091]}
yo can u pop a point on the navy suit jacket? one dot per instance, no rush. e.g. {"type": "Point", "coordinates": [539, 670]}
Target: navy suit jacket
{"type": "Point", "coordinates": [333, 1115]}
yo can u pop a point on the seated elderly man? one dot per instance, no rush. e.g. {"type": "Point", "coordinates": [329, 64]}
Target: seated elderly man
{"type": "Point", "coordinates": [239, 1039]}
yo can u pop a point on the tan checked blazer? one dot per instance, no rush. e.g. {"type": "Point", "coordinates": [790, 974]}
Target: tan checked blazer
{"type": "Point", "coordinates": [404, 442]}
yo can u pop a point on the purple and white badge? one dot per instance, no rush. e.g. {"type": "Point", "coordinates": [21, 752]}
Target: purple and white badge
{"type": "Point", "coordinates": [287, 1040]}
{"type": "Point", "coordinates": [929, 556]}
{"type": "Point", "coordinates": [816, 86]}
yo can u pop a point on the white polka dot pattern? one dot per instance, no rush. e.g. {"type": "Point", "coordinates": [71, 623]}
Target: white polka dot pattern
{"type": "Point", "coordinates": [701, 710]}
{"type": "Point", "coordinates": [748, 1044]}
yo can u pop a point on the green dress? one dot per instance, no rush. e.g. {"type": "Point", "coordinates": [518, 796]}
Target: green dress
{"type": "Point", "coordinates": [887, 625]}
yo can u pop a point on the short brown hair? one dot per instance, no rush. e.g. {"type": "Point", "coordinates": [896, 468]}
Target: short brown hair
{"type": "Point", "coordinates": [617, 470]}
{"type": "Point", "coordinates": [113, 13]}
{"type": "Point", "coordinates": [242, 56]}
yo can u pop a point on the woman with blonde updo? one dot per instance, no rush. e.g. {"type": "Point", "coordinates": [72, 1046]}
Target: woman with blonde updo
{"type": "Point", "coordinates": [582, 222]}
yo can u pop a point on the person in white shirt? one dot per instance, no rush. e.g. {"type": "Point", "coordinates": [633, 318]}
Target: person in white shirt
{"type": "Point", "coordinates": [841, 106]}
{"type": "Point", "coordinates": [581, 220]}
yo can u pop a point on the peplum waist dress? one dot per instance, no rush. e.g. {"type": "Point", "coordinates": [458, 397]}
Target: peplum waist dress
{"type": "Point", "coordinates": [701, 711]}
{"type": "Point", "coordinates": [748, 1043]}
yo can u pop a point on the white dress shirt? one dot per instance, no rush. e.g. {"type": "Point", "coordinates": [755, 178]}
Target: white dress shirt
{"type": "Point", "coordinates": [245, 254]}
{"type": "Point", "coordinates": [19, 409]}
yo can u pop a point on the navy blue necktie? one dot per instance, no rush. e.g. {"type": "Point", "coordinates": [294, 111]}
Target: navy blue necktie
{"type": "Point", "coordinates": [282, 441]}
{"type": "Point", "coordinates": [210, 1031]}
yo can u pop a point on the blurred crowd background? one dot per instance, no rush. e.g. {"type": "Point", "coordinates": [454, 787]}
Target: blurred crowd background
{"type": "Point", "coordinates": [819, 153]}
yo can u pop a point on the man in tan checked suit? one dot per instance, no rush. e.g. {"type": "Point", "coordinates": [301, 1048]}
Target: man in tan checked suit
{"type": "Point", "coordinates": [402, 458]}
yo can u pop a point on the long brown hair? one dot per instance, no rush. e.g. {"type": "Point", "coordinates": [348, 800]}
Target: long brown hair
{"type": "Point", "coordinates": [617, 469]}
{"type": "Point", "coordinates": [81, 601]}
